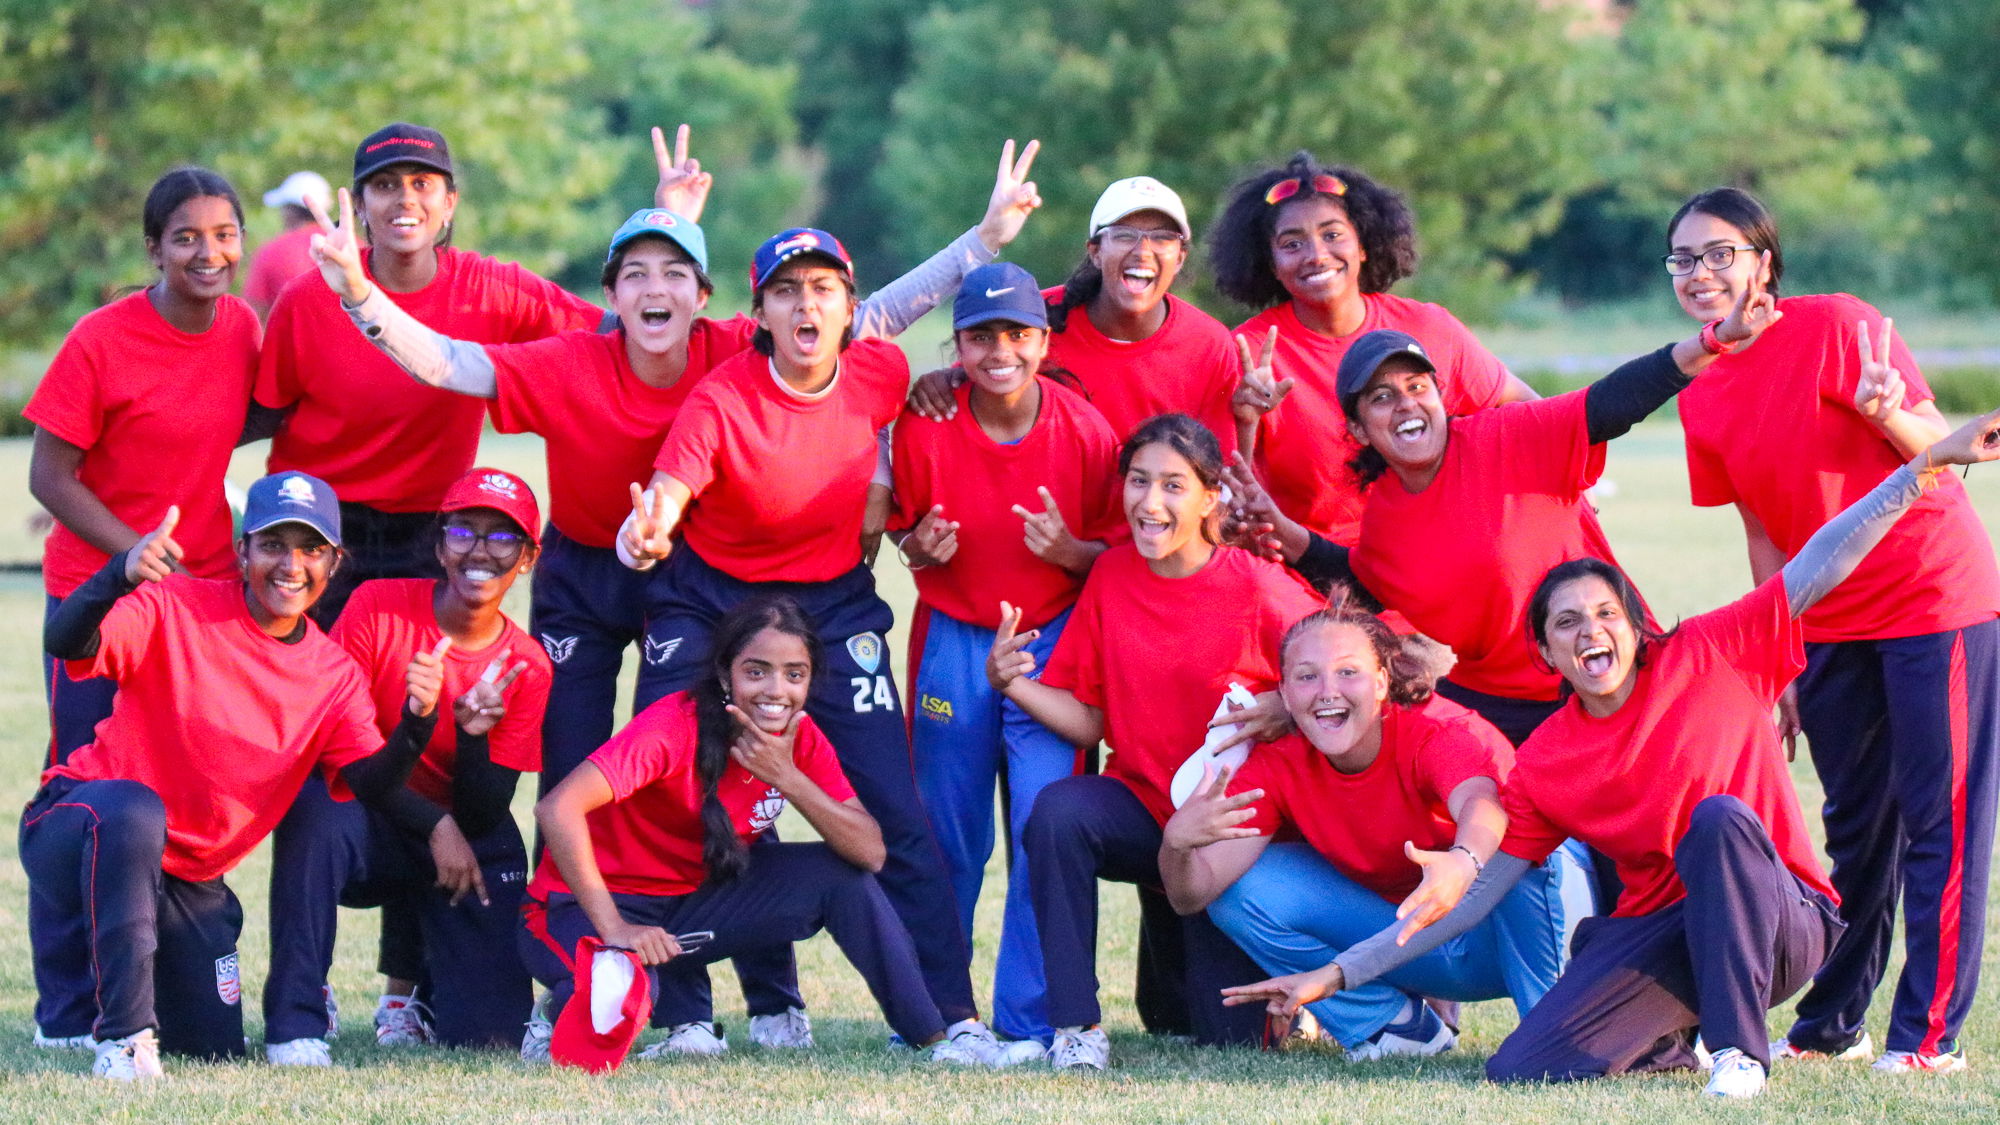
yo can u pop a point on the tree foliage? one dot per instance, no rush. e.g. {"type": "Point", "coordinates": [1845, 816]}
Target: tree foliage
{"type": "Point", "coordinates": [1954, 65]}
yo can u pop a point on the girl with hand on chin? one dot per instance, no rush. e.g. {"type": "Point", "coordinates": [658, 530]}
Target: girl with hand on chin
{"type": "Point", "coordinates": [1396, 793]}
{"type": "Point", "coordinates": [1318, 249]}
{"type": "Point", "coordinates": [986, 503]}
{"type": "Point", "coordinates": [1664, 759]}
{"type": "Point", "coordinates": [452, 860]}
{"type": "Point", "coordinates": [228, 698]}
{"type": "Point", "coordinates": [1164, 624]}
{"type": "Point", "coordinates": [647, 838]}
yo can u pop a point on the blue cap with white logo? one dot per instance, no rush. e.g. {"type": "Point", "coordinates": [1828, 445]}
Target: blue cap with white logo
{"type": "Point", "coordinates": [999, 291]}
{"type": "Point", "coordinates": [678, 229]}
{"type": "Point", "coordinates": [788, 244]}
{"type": "Point", "coordinates": [293, 497]}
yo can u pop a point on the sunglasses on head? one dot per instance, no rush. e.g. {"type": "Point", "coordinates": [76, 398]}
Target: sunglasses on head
{"type": "Point", "coordinates": [1326, 183]}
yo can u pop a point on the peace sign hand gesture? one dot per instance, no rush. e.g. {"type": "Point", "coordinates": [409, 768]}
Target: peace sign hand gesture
{"type": "Point", "coordinates": [1211, 815]}
{"type": "Point", "coordinates": [932, 542]}
{"type": "Point", "coordinates": [1014, 197]}
{"type": "Point", "coordinates": [1755, 309]}
{"type": "Point", "coordinates": [157, 555]}
{"type": "Point", "coordinates": [1009, 661]}
{"type": "Point", "coordinates": [1881, 391]}
{"type": "Point", "coordinates": [1048, 536]}
{"type": "Point", "coordinates": [1261, 391]}
{"type": "Point", "coordinates": [337, 253]}
{"type": "Point", "coordinates": [484, 704]}
{"type": "Point", "coordinates": [646, 537]}
{"type": "Point", "coordinates": [425, 679]}
{"type": "Point", "coordinates": [683, 187]}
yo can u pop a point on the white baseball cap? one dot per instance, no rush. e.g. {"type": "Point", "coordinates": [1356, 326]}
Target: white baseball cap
{"type": "Point", "coordinates": [299, 187]}
{"type": "Point", "coordinates": [1131, 196]}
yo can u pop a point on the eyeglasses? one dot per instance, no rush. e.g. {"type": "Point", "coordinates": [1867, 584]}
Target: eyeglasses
{"type": "Point", "coordinates": [1125, 238]}
{"type": "Point", "coordinates": [500, 542]}
{"type": "Point", "coordinates": [1326, 183]}
{"type": "Point", "coordinates": [1715, 258]}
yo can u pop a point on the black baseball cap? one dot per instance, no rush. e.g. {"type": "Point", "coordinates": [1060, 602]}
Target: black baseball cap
{"type": "Point", "coordinates": [1367, 355]}
{"type": "Point", "coordinates": [401, 143]}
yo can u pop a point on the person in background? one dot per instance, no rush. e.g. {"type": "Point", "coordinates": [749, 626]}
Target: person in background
{"type": "Point", "coordinates": [290, 253]}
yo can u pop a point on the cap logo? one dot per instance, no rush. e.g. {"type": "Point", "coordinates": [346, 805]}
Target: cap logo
{"type": "Point", "coordinates": [992, 293]}
{"type": "Point", "coordinates": [500, 484]}
{"type": "Point", "coordinates": [659, 219]}
{"type": "Point", "coordinates": [804, 240]}
{"type": "Point", "coordinates": [392, 141]}
{"type": "Point", "coordinates": [1417, 350]}
{"type": "Point", "coordinates": [297, 490]}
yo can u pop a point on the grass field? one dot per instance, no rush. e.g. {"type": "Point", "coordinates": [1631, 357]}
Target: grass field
{"type": "Point", "coordinates": [1686, 561]}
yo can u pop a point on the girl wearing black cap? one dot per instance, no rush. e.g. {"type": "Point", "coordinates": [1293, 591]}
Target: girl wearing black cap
{"type": "Point", "coordinates": [1318, 248]}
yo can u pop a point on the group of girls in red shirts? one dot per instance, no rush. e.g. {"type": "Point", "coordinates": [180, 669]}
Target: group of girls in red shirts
{"type": "Point", "coordinates": [1115, 514]}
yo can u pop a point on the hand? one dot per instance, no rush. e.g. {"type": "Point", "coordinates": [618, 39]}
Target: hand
{"type": "Point", "coordinates": [425, 678]}
{"type": "Point", "coordinates": [646, 536]}
{"type": "Point", "coordinates": [484, 704]}
{"type": "Point", "coordinates": [875, 520]}
{"type": "Point", "coordinates": [1446, 876]}
{"type": "Point", "coordinates": [932, 542]}
{"type": "Point", "coordinates": [683, 186]}
{"type": "Point", "coordinates": [1970, 444]}
{"type": "Point", "coordinates": [931, 395]}
{"type": "Point", "coordinates": [1261, 391]}
{"type": "Point", "coordinates": [1253, 522]}
{"type": "Point", "coordinates": [1881, 391]}
{"type": "Point", "coordinates": [157, 555]}
{"type": "Point", "coordinates": [1009, 661]}
{"type": "Point", "coordinates": [1755, 309]}
{"type": "Point", "coordinates": [654, 945]}
{"type": "Point", "coordinates": [336, 252]}
{"type": "Point", "coordinates": [457, 868]}
{"type": "Point", "coordinates": [1049, 538]}
{"type": "Point", "coordinates": [1283, 996]}
{"type": "Point", "coordinates": [1014, 197]}
{"type": "Point", "coordinates": [1211, 814]}
{"type": "Point", "coordinates": [1789, 727]}
{"type": "Point", "coordinates": [1263, 721]}
{"type": "Point", "coordinates": [767, 756]}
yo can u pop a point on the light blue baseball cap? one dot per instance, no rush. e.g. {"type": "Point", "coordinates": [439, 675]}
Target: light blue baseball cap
{"type": "Point", "coordinates": [678, 229]}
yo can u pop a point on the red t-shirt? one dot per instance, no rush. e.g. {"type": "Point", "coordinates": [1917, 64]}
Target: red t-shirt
{"type": "Point", "coordinates": [387, 622]}
{"type": "Point", "coordinates": [1697, 725]}
{"type": "Point", "coordinates": [360, 422]}
{"type": "Point", "coordinates": [1155, 654]}
{"type": "Point", "coordinates": [1189, 366]}
{"type": "Point", "coordinates": [601, 424]}
{"type": "Point", "coordinates": [1303, 446]}
{"type": "Point", "coordinates": [1775, 430]}
{"type": "Point", "coordinates": [648, 840]}
{"type": "Point", "coordinates": [277, 262]}
{"type": "Point", "coordinates": [1070, 451]}
{"type": "Point", "coordinates": [1460, 559]}
{"type": "Point", "coordinates": [156, 412]}
{"type": "Point", "coordinates": [1358, 821]}
{"type": "Point", "coordinates": [780, 482]}
{"type": "Point", "coordinates": [221, 720]}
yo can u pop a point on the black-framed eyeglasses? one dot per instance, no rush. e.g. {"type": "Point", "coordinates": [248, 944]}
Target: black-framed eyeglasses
{"type": "Point", "coordinates": [1681, 264]}
{"type": "Point", "coordinates": [500, 542]}
{"type": "Point", "coordinates": [1124, 238]}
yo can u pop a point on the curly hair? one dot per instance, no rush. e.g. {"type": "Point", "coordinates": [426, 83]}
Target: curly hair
{"type": "Point", "coordinates": [1411, 678]}
{"type": "Point", "coordinates": [1239, 245]}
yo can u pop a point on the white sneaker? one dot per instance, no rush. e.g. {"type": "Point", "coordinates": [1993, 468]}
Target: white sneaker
{"type": "Point", "coordinates": [1782, 1050]}
{"type": "Point", "coordinates": [135, 1057]}
{"type": "Point", "coordinates": [332, 1012]}
{"type": "Point", "coordinates": [84, 1042]}
{"type": "Point", "coordinates": [1080, 1048]}
{"type": "Point", "coordinates": [1734, 1075]}
{"type": "Point", "coordinates": [402, 1021]}
{"type": "Point", "coordinates": [699, 1037]}
{"type": "Point", "coordinates": [790, 1029]}
{"type": "Point", "coordinates": [1910, 1062]}
{"type": "Point", "coordinates": [1419, 1036]}
{"type": "Point", "coordinates": [535, 1040]}
{"type": "Point", "coordinates": [299, 1052]}
{"type": "Point", "coordinates": [987, 1049]}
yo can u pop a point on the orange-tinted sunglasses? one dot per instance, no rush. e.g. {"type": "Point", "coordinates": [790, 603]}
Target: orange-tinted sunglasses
{"type": "Point", "coordinates": [1325, 183]}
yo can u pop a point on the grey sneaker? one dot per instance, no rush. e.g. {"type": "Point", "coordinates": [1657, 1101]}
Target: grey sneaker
{"type": "Point", "coordinates": [1080, 1048]}
{"type": "Point", "coordinates": [131, 1059]}
{"type": "Point", "coordinates": [299, 1052]}
{"type": "Point", "coordinates": [790, 1030]}
{"type": "Point", "coordinates": [402, 1021]}
{"type": "Point", "coordinates": [535, 1041]}
{"type": "Point", "coordinates": [699, 1037]}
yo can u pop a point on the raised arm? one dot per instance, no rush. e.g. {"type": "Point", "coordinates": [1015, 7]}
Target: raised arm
{"type": "Point", "coordinates": [1204, 848]}
{"type": "Point", "coordinates": [1622, 399]}
{"type": "Point", "coordinates": [647, 535]}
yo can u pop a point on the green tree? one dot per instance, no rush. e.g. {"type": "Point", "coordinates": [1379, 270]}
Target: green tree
{"type": "Point", "coordinates": [1954, 88]}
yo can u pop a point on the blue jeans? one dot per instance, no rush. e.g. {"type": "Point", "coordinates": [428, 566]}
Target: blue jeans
{"type": "Point", "coordinates": [1293, 912]}
{"type": "Point", "coordinates": [964, 737]}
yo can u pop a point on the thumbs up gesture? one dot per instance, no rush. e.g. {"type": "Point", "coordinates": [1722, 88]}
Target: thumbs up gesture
{"type": "Point", "coordinates": [425, 679]}
{"type": "Point", "coordinates": [157, 555]}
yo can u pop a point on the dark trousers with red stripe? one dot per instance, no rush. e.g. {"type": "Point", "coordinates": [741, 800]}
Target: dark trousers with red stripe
{"type": "Point", "coordinates": [1637, 989]}
{"type": "Point", "coordinates": [144, 948]}
{"type": "Point", "coordinates": [787, 893]}
{"type": "Point", "coordinates": [75, 706]}
{"type": "Point", "coordinates": [1906, 739]}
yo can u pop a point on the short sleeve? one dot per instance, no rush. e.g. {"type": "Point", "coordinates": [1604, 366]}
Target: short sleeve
{"type": "Point", "coordinates": [348, 733]}
{"type": "Point", "coordinates": [1103, 513]}
{"type": "Point", "coordinates": [1259, 772]}
{"type": "Point", "coordinates": [1460, 749]}
{"type": "Point", "coordinates": [904, 465]}
{"type": "Point", "coordinates": [815, 758]}
{"type": "Point", "coordinates": [1530, 835]}
{"type": "Point", "coordinates": [528, 379]}
{"type": "Point", "coordinates": [1840, 374]}
{"type": "Point", "coordinates": [541, 308]}
{"type": "Point", "coordinates": [1477, 378]}
{"type": "Point", "coordinates": [1077, 664]}
{"type": "Point", "coordinates": [67, 402]}
{"type": "Point", "coordinates": [636, 756]}
{"type": "Point", "coordinates": [516, 742]}
{"type": "Point", "coordinates": [1547, 444]}
{"type": "Point", "coordinates": [126, 633]}
{"type": "Point", "coordinates": [277, 385]}
{"type": "Point", "coordinates": [1755, 636]}
{"type": "Point", "coordinates": [355, 632]}
{"type": "Point", "coordinates": [694, 440]}
{"type": "Point", "coordinates": [1709, 485]}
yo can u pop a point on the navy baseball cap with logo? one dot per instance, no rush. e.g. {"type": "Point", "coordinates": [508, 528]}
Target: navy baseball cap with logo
{"type": "Point", "coordinates": [293, 497]}
{"type": "Point", "coordinates": [999, 291]}
{"type": "Point", "coordinates": [401, 143]}
{"type": "Point", "coordinates": [662, 223]}
{"type": "Point", "coordinates": [794, 243]}
{"type": "Point", "coordinates": [1367, 355]}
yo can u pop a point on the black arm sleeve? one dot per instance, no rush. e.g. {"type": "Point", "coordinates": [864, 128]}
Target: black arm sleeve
{"type": "Point", "coordinates": [1623, 399]}
{"type": "Point", "coordinates": [261, 422]}
{"type": "Point", "coordinates": [378, 775]}
{"type": "Point", "coordinates": [1325, 563]}
{"type": "Point", "coordinates": [480, 790]}
{"type": "Point", "coordinates": [71, 633]}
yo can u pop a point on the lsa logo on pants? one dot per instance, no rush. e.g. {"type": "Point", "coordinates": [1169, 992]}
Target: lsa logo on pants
{"type": "Point", "coordinates": [228, 980]}
{"type": "Point", "coordinates": [933, 707]}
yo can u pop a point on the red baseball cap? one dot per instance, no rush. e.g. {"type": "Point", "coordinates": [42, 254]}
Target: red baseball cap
{"type": "Point", "coordinates": [501, 491]}
{"type": "Point", "coordinates": [613, 1001]}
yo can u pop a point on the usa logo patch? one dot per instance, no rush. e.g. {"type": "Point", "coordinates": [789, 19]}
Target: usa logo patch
{"type": "Point", "coordinates": [228, 980]}
{"type": "Point", "coordinates": [866, 649]}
